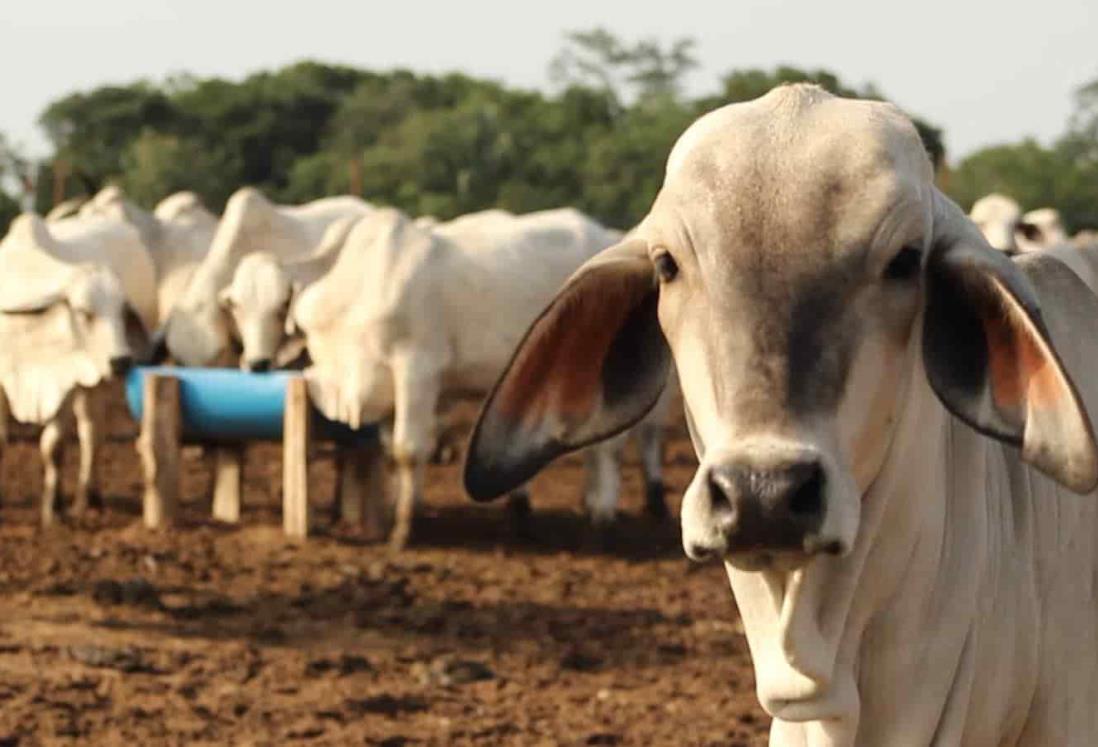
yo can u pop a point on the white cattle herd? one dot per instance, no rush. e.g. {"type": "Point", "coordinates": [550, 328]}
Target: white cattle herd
{"type": "Point", "coordinates": [890, 401]}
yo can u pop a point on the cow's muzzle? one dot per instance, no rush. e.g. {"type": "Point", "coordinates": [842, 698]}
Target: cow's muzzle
{"type": "Point", "coordinates": [758, 510]}
{"type": "Point", "coordinates": [121, 364]}
{"type": "Point", "coordinates": [260, 365]}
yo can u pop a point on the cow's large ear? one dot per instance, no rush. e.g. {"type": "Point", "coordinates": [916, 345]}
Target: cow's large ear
{"type": "Point", "coordinates": [993, 345]}
{"type": "Point", "coordinates": [591, 365]}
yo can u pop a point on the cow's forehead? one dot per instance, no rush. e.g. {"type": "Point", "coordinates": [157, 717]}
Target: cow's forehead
{"type": "Point", "coordinates": [797, 170]}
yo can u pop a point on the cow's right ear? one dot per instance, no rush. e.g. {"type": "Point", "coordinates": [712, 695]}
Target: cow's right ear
{"type": "Point", "coordinates": [591, 365]}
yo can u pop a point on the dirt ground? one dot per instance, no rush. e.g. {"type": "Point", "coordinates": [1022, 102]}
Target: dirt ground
{"type": "Point", "coordinates": [209, 634]}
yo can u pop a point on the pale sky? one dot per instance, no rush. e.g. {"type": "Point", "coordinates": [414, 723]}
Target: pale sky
{"type": "Point", "coordinates": [988, 72]}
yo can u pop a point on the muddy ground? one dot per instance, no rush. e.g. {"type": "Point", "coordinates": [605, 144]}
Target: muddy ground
{"type": "Point", "coordinates": [209, 634]}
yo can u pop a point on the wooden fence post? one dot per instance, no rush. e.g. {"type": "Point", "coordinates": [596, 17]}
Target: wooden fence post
{"type": "Point", "coordinates": [228, 475]}
{"type": "Point", "coordinates": [158, 447]}
{"type": "Point", "coordinates": [295, 460]}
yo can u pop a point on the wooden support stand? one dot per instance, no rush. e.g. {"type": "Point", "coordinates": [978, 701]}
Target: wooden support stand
{"type": "Point", "coordinates": [228, 476]}
{"type": "Point", "coordinates": [295, 460]}
{"type": "Point", "coordinates": [158, 447]}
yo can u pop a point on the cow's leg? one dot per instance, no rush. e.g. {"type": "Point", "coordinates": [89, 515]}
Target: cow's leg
{"type": "Point", "coordinates": [603, 480]}
{"type": "Point", "coordinates": [90, 411]}
{"type": "Point", "coordinates": [51, 446]}
{"type": "Point", "coordinates": [416, 387]}
{"type": "Point", "coordinates": [5, 416]}
{"type": "Point", "coordinates": [650, 446]}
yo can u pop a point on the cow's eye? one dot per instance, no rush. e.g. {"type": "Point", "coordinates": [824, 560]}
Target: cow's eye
{"type": "Point", "coordinates": [666, 267]}
{"type": "Point", "coordinates": [905, 265]}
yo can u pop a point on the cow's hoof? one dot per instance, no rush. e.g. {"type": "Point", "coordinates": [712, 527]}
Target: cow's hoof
{"type": "Point", "coordinates": [655, 505]}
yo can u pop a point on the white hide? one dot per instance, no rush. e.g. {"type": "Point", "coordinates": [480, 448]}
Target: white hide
{"type": "Point", "coordinates": [1042, 228]}
{"type": "Point", "coordinates": [262, 289]}
{"type": "Point", "coordinates": [997, 216]}
{"type": "Point", "coordinates": [63, 314]}
{"type": "Point", "coordinates": [198, 331]}
{"type": "Point", "coordinates": [433, 309]}
{"type": "Point", "coordinates": [177, 235]}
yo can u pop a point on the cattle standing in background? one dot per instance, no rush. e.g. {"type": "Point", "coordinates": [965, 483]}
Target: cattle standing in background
{"type": "Point", "coordinates": [406, 316]}
{"type": "Point", "coordinates": [891, 419]}
{"type": "Point", "coordinates": [1041, 229]}
{"type": "Point", "coordinates": [998, 216]}
{"type": "Point", "coordinates": [73, 313]}
{"type": "Point", "coordinates": [65, 209]}
{"type": "Point", "coordinates": [263, 288]}
{"type": "Point", "coordinates": [177, 235]}
{"type": "Point", "coordinates": [197, 333]}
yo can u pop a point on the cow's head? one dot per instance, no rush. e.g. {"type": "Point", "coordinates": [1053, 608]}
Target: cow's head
{"type": "Point", "coordinates": [800, 269]}
{"type": "Point", "coordinates": [91, 310]}
{"type": "Point", "coordinates": [258, 301]}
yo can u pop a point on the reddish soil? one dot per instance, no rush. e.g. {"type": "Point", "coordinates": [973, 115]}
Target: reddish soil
{"type": "Point", "coordinates": [208, 634]}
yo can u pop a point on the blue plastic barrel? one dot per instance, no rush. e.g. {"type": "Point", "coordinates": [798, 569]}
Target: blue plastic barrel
{"type": "Point", "coordinates": [226, 404]}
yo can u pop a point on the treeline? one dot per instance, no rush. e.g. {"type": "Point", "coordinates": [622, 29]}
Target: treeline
{"type": "Point", "coordinates": [438, 145]}
{"type": "Point", "coordinates": [1063, 175]}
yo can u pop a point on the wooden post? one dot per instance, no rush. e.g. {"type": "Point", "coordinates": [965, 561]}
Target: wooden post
{"type": "Point", "coordinates": [295, 464]}
{"type": "Point", "coordinates": [362, 487]}
{"type": "Point", "coordinates": [60, 178]}
{"type": "Point", "coordinates": [228, 475]}
{"type": "Point", "coordinates": [354, 179]}
{"type": "Point", "coordinates": [158, 447]}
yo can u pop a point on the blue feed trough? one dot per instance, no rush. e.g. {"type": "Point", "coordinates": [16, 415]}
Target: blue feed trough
{"type": "Point", "coordinates": [225, 404]}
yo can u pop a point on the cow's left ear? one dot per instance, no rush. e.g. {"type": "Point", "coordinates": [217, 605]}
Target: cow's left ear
{"type": "Point", "coordinates": [591, 365]}
{"type": "Point", "coordinates": [993, 357]}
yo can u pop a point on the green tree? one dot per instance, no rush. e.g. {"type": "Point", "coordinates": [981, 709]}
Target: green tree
{"type": "Point", "coordinates": [90, 131]}
{"type": "Point", "coordinates": [641, 71]}
{"type": "Point", "coordinates": [156, 165]}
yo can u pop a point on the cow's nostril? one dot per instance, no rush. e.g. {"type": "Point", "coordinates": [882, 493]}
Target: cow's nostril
{"type": "Point", "coordinates": [807, 498]}
{"type": "Point", "coordinates": [700, 552]}
{"type": "Point", "coordinates": [718, 494]}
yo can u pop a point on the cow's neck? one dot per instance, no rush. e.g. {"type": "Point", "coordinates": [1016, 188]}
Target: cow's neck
{"type": "Point", "coordinates": [878, 639]}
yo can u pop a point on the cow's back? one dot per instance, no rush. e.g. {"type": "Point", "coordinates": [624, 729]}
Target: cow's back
{"type": "Point", "coordinates": [501, 272]}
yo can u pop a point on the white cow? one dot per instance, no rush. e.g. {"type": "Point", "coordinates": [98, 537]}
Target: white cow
{"type": "Point", "coordinates": [177, 235]}
{"type": "Point", "coordinates": [74, 310]}
{"type": "Point", "coordinates": [891, 419]}
{"type": "Point", "coordinates": [406, 316]}
{"type": "Point", "coordinates": [66, 208]}
{"type": "Point", "coordinates": [1085, 239]}
{"type": "Point", "coordinates": [998, 217]}
{"type": "Point", "coordinates": [262, 289]}
{"type": "Point", "coordinates": [198, 332]}
{"type": "Point", "coordinates": [1041, 229]}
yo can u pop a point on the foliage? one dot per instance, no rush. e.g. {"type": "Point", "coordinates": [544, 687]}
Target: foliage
{"type": "Point", "coordinates": [156, 165]}
{"type": "Point", "coordinates": [1063, 175]}
{"type": "Point", "coordinates": [440, 145]}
